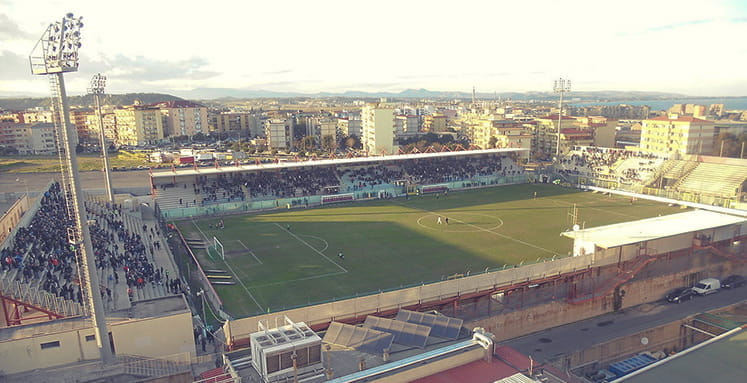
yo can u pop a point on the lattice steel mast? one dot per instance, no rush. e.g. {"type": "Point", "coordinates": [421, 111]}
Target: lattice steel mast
{"type": "Point", "coordinates": [561, 86]}
{"type": "Point", "coordinates": [98, 82]}
{"type": "Point", "coordinates": [55, 53]}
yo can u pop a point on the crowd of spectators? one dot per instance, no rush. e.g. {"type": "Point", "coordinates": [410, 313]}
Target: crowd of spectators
{"type": "Point", "coordinates": [43, 252]}
{"type": "Point", "coordinates": [599, 163]}
{"type": "Point", "coordinates": [368, 176]}
{"type": "Point", "coordinates": [332, 179]}
{"type": "Point", "coordinates": [439, 170]}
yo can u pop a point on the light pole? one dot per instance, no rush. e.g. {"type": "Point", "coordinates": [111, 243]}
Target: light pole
{"type": "Point", "coordinates": [55, 53]}
{"type": "Point", "coordinates": [98, 82]}
{"type": "Point", "coordinates": [201, 294]}
{"type": "Point", "coordinates": [561, 86]}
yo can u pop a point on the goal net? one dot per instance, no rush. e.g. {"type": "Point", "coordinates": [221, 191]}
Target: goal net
{"type": "Point", "coordinates": [218, 249]}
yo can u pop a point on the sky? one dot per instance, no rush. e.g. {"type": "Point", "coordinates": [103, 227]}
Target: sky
{"type": "Point", "coordinates": [694, 48]}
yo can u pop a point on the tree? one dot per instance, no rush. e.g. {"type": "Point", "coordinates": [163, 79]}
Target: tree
{"type": "Point", "coordinates": [352, 142]}
{"type": "Point", "coordinates": [729, 143]}
{"type": "Point", "coordinates": [308, 143]}
{"type": "Point", "coordinates": [329, 143]}
{"type": "Point", "coordinates": [492, 141]}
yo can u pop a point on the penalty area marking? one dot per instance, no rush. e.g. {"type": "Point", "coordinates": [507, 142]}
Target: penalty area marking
{"type": "Point", "coordinates": [298, 279]}
{"type": "Point", "coordinates": [232, 271]}
{"type": "Point", "coordinates": [449, 230]}
{"type": "Point", "coordinates": [250, 252]}
{"type": "Point", "coordinates": [311, 247]}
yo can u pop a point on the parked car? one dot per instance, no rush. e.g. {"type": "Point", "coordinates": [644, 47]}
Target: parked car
{"type": "Point", "coordinates": [680, 294]}
{"type": "Point", "coordinates": [707, 286]}
{"type": "Point", "coordinates": [733, 281]}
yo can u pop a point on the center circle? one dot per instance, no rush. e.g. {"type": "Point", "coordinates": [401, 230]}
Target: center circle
{"type": "Point", "coordinates": [456, 224]}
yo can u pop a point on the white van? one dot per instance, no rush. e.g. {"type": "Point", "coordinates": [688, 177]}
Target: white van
{"type": "Point", "coordinates": [707, 286]}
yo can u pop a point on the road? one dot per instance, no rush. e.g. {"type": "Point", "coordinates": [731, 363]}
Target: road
{"type": "Point", "coordinates": [577, 336]}
{"type": "Point", "coordinates": [17, 182]}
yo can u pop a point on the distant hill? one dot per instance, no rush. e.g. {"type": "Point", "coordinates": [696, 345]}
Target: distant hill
{"type": "Point", "coordinates": [223, 93]}
{"type": "Point", "coordinates": [226, 94]}
{"type": "Point", "coordinates": [87, 100]}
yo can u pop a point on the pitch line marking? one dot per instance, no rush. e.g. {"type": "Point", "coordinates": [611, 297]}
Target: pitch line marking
{"type": "Point", "coordinates": [490, 231]}
{"type": "Point", "coordinates": [232, 271]}
{"type": "Point", "coordinates": [243, 285]}
{"type": "Point", "coordinates": [311, 247]}
{"type": "Point", "coordinates": [444, 229]}
{"type": "Point", "coordinates": [298, 279]}
{"type": "Point", "coordinates": [326, 244]}
{"type": "Point", "coordinates": [590, 207]}
{"type": "Point", "coordinates": [250, 252]}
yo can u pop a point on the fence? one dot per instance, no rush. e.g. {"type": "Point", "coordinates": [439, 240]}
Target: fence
{"type": "Point", "coordinates": [422, 293]}
{"type": "Point", "coordinates": [316, 200]}
{"type": "Point", "coordinates": [189, 266]}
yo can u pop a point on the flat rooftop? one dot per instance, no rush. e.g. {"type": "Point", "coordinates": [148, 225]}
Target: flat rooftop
{"type": "Point", "coordinates": [150, 308]}
{"type": "Point", "coordinates": [626, 233]}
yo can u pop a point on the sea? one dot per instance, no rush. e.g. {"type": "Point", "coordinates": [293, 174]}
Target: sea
{"type": "Point", "coordinates": [735, 103]}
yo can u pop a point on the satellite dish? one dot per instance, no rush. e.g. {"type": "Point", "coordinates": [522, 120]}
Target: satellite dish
{"type": "Point", "coordinates": [576, 227]}
{"type": "Point", "coordinates": [644, 341]}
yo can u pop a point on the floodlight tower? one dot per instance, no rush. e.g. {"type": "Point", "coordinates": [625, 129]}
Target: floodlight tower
{"type": "Point", "coordinates": [54, 54]}
{"type": "Point", "coordinates": [561, 86]}
{"type": "Point", "coordinates": [98, 82]}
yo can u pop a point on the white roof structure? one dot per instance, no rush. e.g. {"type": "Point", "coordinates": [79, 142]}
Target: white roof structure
{"type": "Point", "coordinates": [341, 161]}
{"type": "Point", "coordinates": [653, 228]}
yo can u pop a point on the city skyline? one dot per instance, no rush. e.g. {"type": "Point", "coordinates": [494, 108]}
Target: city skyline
{"type": "Point", "coordinates": [682, 47]}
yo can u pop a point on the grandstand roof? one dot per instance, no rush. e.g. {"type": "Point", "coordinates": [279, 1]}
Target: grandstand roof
{"type": "Point", "coordinates": [653, 228]}
{"type": "Point", "coordinates": [342, 161]}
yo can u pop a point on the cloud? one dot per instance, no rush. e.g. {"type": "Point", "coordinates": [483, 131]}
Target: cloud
{"type": "Point", "coordinates": [282, 71]}
{"type": "Point", "coordinates": [140, 68]}
{"type": "Point", "coordinates": [14, 66]}
{"type": "Point", "coordinates": [678, 25]}
{"type": "Point", "coordinates": [10, 30]}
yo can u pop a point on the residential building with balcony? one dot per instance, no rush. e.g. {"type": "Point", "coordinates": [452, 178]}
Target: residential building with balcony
{"type": "Point", "coordinates": [377, 125]}
{"type": "Point", "coordinates": [139, 125]}
{"type": "Point", "coordinates": [677, 135]}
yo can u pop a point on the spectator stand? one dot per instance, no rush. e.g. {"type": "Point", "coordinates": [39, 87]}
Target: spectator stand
{"type": "Point", "coordinates": [301, 184]}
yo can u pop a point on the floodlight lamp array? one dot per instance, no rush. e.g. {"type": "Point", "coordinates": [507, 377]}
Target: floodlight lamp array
{"type": "Point", "coordinates": [562, 85]}
{"type": "Point", "coordinates": [98, 83]}
{"type": "Point", "coordinates": [57, 49]}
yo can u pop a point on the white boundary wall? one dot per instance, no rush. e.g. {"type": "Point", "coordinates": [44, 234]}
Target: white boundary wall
{"type": "Point", "coordinates": [241, 328]}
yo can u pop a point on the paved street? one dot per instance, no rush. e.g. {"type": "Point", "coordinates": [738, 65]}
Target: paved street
{"type": "Point", "coordinates": [577, 336]}
{"type": "Point", "coordinates": [89, 180]}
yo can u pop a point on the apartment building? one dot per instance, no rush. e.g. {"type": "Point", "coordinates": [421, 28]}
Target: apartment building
{"type": "Point", "coordinates": [183, 118]}
{"type": "Point", "coordinates": [279, 134]}
{"type": "Point", "coordinates": [139, 125]}
{"type": "Point", "coordinates": [677, 135]}
{"type": "Point", "coordinates": [377, 125]}
{"type": "Point", "coordinates": [29, 139]}
{"type": "Point", "coordinates": [238, 122]}
{"type": "Point", "coordinates": [349, 126]}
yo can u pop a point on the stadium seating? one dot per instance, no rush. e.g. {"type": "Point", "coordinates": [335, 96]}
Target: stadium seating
{"type": "Point", "coordinates": [721, 180]}
{"type": "Point", "coordinates": [295, 182]}
{"type": "Point", "coordinates": [41, 258]}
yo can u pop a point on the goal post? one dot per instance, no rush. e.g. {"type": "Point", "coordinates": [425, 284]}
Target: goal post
{"type": "Point", "coordinates": [218, 247]}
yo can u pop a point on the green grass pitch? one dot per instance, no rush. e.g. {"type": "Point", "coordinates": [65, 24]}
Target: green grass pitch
{"type": "Point", "coordinates": [395, 243]}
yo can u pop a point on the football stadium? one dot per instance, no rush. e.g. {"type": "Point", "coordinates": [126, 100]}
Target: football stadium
{"type": "Point", "coordinates": [410, 267]}
{"type": "Point", "coordinates": [279, 260]}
